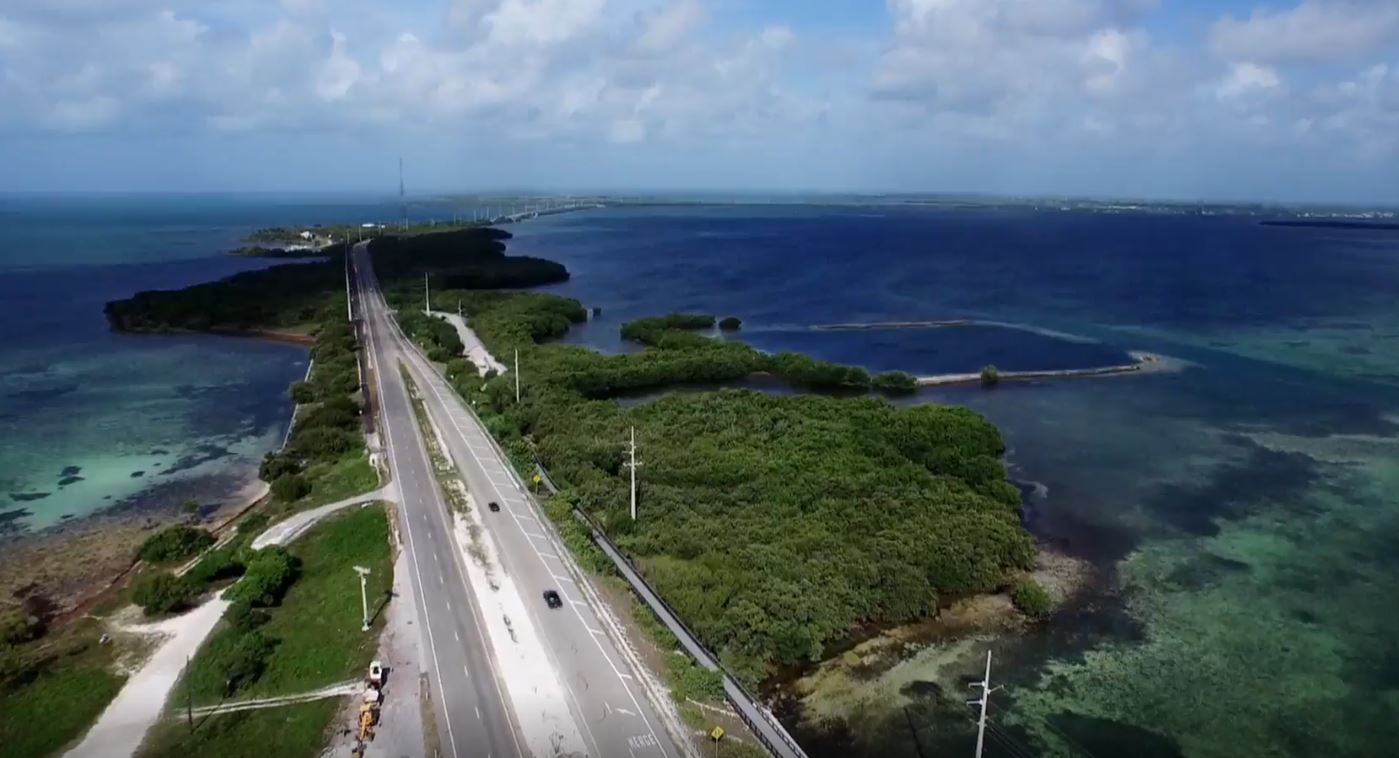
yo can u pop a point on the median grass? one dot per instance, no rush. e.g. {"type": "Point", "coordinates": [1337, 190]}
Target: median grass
{"type": "Point", "coordinates": [290, 731]}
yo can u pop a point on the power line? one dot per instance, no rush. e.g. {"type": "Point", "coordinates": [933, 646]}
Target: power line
{"type": "Point", "coordinates": [1008, 743]}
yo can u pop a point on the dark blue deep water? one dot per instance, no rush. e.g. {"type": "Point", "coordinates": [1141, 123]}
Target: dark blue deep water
{"type": "Point", "coordinates": [1230, 521]}
{"type": "Point", "coordinates": [1236, 513]}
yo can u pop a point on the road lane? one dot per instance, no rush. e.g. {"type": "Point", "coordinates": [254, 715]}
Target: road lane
{"type": "Point", "coordinates": [615, 714]}
{"type": "Point", "coordinates": [471, 713]}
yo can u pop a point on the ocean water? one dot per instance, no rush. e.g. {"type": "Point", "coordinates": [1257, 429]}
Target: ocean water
{"type": "Point", "coordinates": [92, 420]}
{"type": "Point", "coordinates": [1241, 512]}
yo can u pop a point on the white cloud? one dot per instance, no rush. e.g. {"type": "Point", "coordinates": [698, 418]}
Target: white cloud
{"type": "Point", "coordinates": [541, 23]}
{"type": "Point", "coordinates": [1009, 58]}
{"type": "Point", "coordinates": [1311, 30]}
{"type": "Point", "coordinates": [662, 28]}
{"type": "Point", "coordinates": [627, 131]}
{"type": "Point", "coordinates": [1247, 80]}
{"type": "Point", "coordinates": [82, 115]}
{"type": "Point", "coordinates": [338, 73]}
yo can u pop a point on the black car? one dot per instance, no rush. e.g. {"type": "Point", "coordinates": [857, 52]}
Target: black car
{"type": "Point", "coordinates": [552, 599]}
{"type": "Point", "coordinates": [493, 507]}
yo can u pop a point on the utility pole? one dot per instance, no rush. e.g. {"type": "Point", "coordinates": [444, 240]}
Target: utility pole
{"type": "Point", "coordinates": [632, 463]}
{"type": "Point", "coordinates": [363, 597]}
{"type": "Point", "coordinates": [986, 690]}
{"type": "Point", "coordinates": [517, 376]}
{"type": "Point", "coordinates": [427, 295]}
{"type": "Point", "coordinates": [189, 699]}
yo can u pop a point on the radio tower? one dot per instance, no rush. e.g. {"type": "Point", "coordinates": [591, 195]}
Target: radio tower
{"type": "Point", "coordinates": [402, 203]}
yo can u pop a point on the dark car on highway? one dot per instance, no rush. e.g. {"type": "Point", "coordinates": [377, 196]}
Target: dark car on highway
{"type": "Point", "coordinates": [552, 599]}
{"type": "Point", "coordinates": [493, 507]}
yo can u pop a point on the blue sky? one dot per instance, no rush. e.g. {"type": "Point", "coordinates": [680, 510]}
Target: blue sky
{"type": "Point", "coordinates": [1273, 100]}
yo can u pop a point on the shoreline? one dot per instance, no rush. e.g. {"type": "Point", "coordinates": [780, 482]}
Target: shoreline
{"type": "Point", "coordinates": [290, 338]}
{"type": "Point", "coordinates": [73, 566]}
{"type": "Point", "coordinates": [1143, 363]}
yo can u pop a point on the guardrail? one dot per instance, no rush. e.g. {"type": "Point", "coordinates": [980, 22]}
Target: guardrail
{"type": "Point", "coordinates": [760, 721]}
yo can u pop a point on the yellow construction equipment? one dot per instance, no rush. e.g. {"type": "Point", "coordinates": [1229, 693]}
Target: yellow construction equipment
{"type": "Point", "coordinates": [367, 714]}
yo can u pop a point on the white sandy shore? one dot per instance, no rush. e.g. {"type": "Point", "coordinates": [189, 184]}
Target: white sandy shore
{"type": "Point", "coordinates": [1143, 363]}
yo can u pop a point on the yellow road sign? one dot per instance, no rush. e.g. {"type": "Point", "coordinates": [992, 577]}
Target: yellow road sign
{"type": "Point", "coordinates": [717, 734]}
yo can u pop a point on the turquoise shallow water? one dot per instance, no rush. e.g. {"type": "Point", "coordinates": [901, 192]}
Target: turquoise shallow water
{"type": "Point", "coordinates": [1240, 514]}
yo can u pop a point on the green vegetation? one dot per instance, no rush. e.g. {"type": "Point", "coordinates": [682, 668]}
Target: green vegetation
{"type": "Point", "coordinates": [279, 297]}
{"type": "Point", "coordinates": [325, 444]}
{"type": "Point", "coordinates": [438, 338]}
{"type": "Point", "coordinates": [855, 511]}
{"type": "Point", "coordinates": [730, 323]}
{"type": "Point", "coordinates": [163, 592]}
{"type": "Point", "coordinates": [464, 259]}
{"type": "Point", "coordinates": [51, 690]}
{"type": "Point", "coordinates": [895, 382]}
{"type": "Point", "coordinates": [289, 731]}
{"type": "Point", "coordinates": [313, 634]}
{"type": "Point", "coordinates": [174, 543]}
{"type": "Point", "coordinates": [18, 627]}
{"type": "Point", "coordinates": [651, 331]}
{"type": "Point", "coordinates": [290, 487]}
{"type": "Point", "coordinates": [1032, 599]}
{"type": "Point", "coordinates": [990, 377]}
{"type": "Point", "coordinates": [269, 572]}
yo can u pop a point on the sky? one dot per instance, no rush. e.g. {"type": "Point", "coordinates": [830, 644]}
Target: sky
{"type": "Point", "coordinates": [1291, 100]}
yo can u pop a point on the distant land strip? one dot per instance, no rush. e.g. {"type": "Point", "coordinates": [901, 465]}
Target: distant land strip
{"type": "Point", "coordinates": [1142, 362]}
{"type": "Point", "coordinates": [1333, 223]}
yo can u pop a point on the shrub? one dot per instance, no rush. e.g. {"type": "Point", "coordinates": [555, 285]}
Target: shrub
{"type": "Point", "coordinates": [245, 661]}
{"type": "Point", "coordinates": [244, 617]}
{"type": "Point", "coordinates": [322, 443]}
{"type": "Point", "coordinates": [270, 571]}
{"type": "Point", "coordinates": [253, 523]}
{"type": "Point", "coordinates": [730, 323]}
{"type": "Point", "coordinates": [174, 543]}
{"type": "Point", "coordinates": [895, 381]}
{"type": "Point", "coordinates": [276, 465]}
{"type": "Point", "coordinates": [689, 680]}
{"type": "Point", "coordinates": [216, 565]}
{"type": "Point", "coordinates": [291, 487]}
{"type": "Point", "coordinates": [162, 592]}
{"type": "Point", "coordinates": [990, 377]}
{"type": "Point", "coordinates": [18, 627]}
{"type": "Point", "coordinates": [302, 392]}
{"type": "Point", "coordinates": [1032, 599]}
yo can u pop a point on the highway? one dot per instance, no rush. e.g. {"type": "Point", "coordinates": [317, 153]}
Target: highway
{"type": "Point", "coordinates": [469, 705]}
{"type": "Point", "coordinates": [607, 697]}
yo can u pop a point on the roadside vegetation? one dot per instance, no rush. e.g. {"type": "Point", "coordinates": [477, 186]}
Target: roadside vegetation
{"type": "Point", "coordinates": [293, 626]}
{"type": "Point", "coordinates": [55, 683]}
{"type": "Point", "coordinates": [277, 298]}
{"type": "Point", "coordinates": [774, 525]}
{"type": "Point", "coordinates": [51, 688]}
{"type": "Point", "coordinates": [175, 542]}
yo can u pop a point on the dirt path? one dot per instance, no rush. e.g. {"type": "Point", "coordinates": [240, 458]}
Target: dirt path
{"type": "Point", "coordinates": [351, 687]}
{"type": "Point", "coordinates": [123, 725]}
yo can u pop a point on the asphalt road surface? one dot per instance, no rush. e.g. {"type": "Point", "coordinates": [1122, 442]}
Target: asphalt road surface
{"type": "Point", "coordinates": [606, 698]}
{"type": "Point", "coordinates": [472, 716]}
